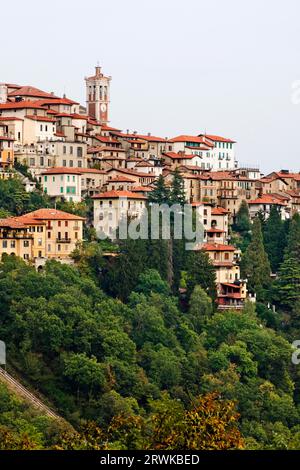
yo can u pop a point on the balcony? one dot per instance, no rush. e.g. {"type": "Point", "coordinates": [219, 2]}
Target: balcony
{"type": "Point", "coordinates": [63, 240]}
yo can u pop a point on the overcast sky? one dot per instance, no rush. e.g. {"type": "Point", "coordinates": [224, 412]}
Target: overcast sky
{"type": "Point", "coordinates": [177, 67]}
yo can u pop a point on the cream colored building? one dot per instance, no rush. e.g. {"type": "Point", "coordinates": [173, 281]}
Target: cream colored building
{"type": "Point", "coordinates": [62, 183]}
{"type": "Point", "coordinates": [111, 206]}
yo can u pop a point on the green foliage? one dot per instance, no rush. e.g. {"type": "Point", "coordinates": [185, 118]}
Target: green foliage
{"type": "Point", "coordinates": [15, 200]}
{"type": "Point", "coordinates": [255, 265]}
{"type": "Point", "coordinates": [160, 193]}
{"type": "Point", "coordinates": [274, 238]}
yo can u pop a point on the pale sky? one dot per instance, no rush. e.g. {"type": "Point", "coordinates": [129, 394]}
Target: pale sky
{"type": "Point", "coordinates": [178, 67]}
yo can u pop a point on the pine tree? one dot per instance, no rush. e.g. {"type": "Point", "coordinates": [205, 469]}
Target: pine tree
{"type": "Point", "coordinates": [255, 264]}
{"type": "Point", "coordinates": [161, 193]}
{"type": "Point", "coordinates": [288, 284]}
{"type": "Point", "coordinates": [274, 238]}
{"type": "Point", "coordinates": [293, 239]}
{"type": "Point", "coordinates": [177, 195]}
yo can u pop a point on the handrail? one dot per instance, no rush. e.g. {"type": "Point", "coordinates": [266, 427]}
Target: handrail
{"type": "Point", "coordinates": [23, 391]}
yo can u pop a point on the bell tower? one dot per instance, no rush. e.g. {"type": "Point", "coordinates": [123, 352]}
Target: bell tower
{"type": "Point", "coordinates": [98, 96]}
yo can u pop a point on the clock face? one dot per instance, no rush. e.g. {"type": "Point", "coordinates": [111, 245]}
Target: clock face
{"type": "Point", "coordinates": [103, 107]}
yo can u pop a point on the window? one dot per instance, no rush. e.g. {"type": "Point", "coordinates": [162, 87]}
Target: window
{"type": "Point", "coordinates": [26, 256]}
{"type": "Point", "coordinates": [71, 163]}
{"type": "Point", "coordinates": [4, 244]}
{"type": "Point", "coordinates": [226, 255]}
{"type": "Point", "coordinates": [79, 151]}
{"type": "Point", "coordinates": [59, 223]}
{"type": "Point", "coordinates": [53, 179]}
{"type": "Point", "coordinates": [13, 244]}
{"type": "Point", "coordinates": [40, 241]}
{"type": "Point", "coordinates": [66, 235]}
{"type": "Point", "coordinates": [73, 178]}
{"type": "Point", "coordinates": [71, 190]}
{"type": "Point", "coordinates": [64, 149]}
{"type": "Point", "coordinates": [68, 178]}
{"type": "Point", "coordinates": [42, 161]}
{"type": "Point", "coordinates": [41, 127]}
{"type": "Point", "coordinates": [110, 216]}
{"type": "Point", "coordinates": [71, 150]}
{"type": "Point", "coordinates": [59, 235]}
{"type": "Point", "coordinates": [58, 247]}
{"type": "Point", "coordinates": [76, 235]}
{"type": "Point", "coordinates": [79, 164]}
{"type": "Point", "coordinates": [64, 162]}
{"type": "Point", "coordinates": [45, 179]}
{"type": "Point", "coordinates": [61, 177]}
{"type": "Point", "coordinates": [49, 234]}
{"type": "Point", "coordinates": [32, 161]}
{"type": "Point", "coordinates": [66, 223]}
{"type": "Point", "coordinates": [26, 243]}
{"type": "Point", "coordinates": [49, 247]}
{"type": "Point", "coordinates": [101, 216]}
{"type": "Point", "coordinates": [46, 128]}
{"type": "Point", "coordinates": [61, 189]}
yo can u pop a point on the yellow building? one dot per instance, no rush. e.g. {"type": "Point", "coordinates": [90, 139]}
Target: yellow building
{"type": "Point", "coordinates": [62, 231]}
{"type": "Point", "coordinates": [15, 238]}
{"type": "Point", "coordinates": [44, 233]}
{"type": "Point", "coordinates": [6, 148]}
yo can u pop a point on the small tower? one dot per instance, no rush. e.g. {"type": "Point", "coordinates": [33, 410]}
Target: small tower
{"type": "Point", "coordinates": [97, 96]}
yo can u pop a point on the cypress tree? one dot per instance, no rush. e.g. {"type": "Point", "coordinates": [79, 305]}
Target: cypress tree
{"type": "Point", "coordinates": [242, 223]}
{"type": "Point", "coordinates": [274, 238]}
{"type": "Point", "coordinates": [255, 264]}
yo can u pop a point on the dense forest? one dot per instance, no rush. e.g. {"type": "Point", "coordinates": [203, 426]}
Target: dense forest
{"type": "Point", "coordinates": [132, 352]}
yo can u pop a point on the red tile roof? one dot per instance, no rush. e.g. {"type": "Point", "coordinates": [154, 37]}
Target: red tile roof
{"type": "Point", "coordinates": [21, 105]}
{"type": "Point", "coordinates": [144, 164]}
{"type": "Point", "coordinates": [52, 214]}
{"type": "Point", "coordinates": [219, 211]}
{"type": "Point", "coordinates": [40, 118]}
{"type": "Point", "coordinates": [187, 138]}
{"type": "Point", "coordinates": [32, 92]}
{"type": "Point", "coordinates": [178, 156]}
{"type": "Point", "coordinates": [11, 222]}
{"type": "Point", "coordinates": [267, 199]}
{"type": "Point", "coordinates": [120, 179]}
{"type": "Point", "coordinates": [138, 189]}
{"type": "Point", "coordinates": [118, 194]}
{"type": "Point", "coordinates": [56, 101]}
{"type": "Point", "coordinates": [218, 138]}
{"type": "Point", "coordinates": [215, 230]}
{"type": "Point", "coordinates": [217, 247]}
{"type": "Point", "coordinates": [104, 139]}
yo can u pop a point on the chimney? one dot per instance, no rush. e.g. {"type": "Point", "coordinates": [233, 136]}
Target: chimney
{"type": "Point", "coordinates": [52, 93]}
{"type": "Point", "coordinates": [149, 134]}
{"type": "Point", "coordinates": [98, 70]}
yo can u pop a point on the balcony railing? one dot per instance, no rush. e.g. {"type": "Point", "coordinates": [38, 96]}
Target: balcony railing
{"type": "Point", "coordinates": [63, 240]}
